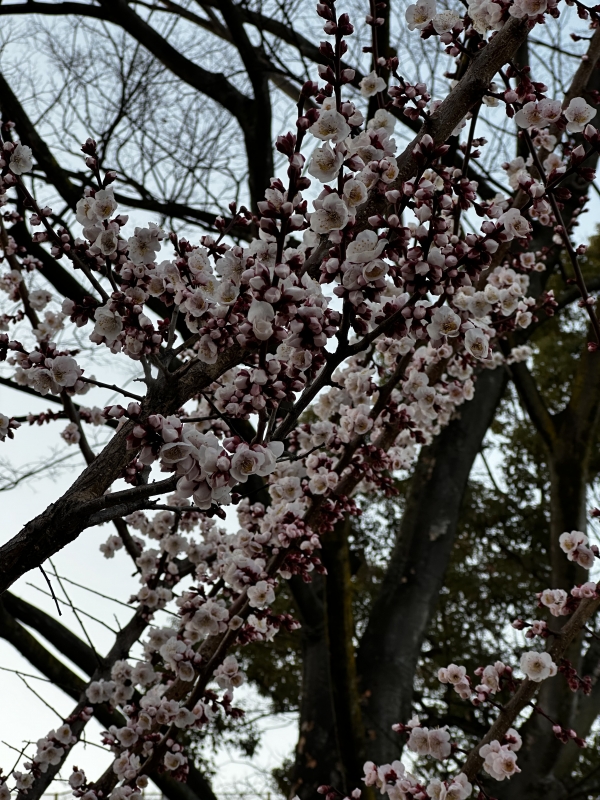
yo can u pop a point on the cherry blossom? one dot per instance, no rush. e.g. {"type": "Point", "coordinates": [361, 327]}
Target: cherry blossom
{"type": "Point", "coordinates": [331, 126]}
{"type": "Point", "coordinates": [537, 666]}
{"type": "Point", "coordinates": [486, 15]}
{"type": "Point", "coordinates": [366, 247]}
{"type": "Point", "coordinates": [315, 310]}
{"type": "Point", "coordinates": [477, 343]}
{"type": "Point", "coordinates": [444, 322]}
{"type": "Point", "coordinates": [434, 742]}
{"type": "Point", "coordinates": [108, 324]}
{"type": "Point", "coordinates": [419, 14]}
{"type": "Point", "coordinates": [499, 760]}
{"type": "Point", "coordinates": [529, 8]}
{"type": "Point", "coordinates": [21, 159]}
{"type": "Point", "coordinates": [445, 21]}
{"type": "Point", "coordinates": [325, 163]}
{"type": "Point", "coordinates": [514, 223]}
{"type": "Point", "coordinates": [578, 114]}
{"type": "Point", "coordinates": [538, 114]}
{"type": "Point", "coordinates": [261, 595]}
{"type": "Point", "coordinates": [371, 84]}
{"type": "Point", "coordinates": [332, 215]}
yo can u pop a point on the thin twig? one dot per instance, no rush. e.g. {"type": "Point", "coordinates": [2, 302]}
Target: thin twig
{"type": "Point", "coordinates": [579, 279]}
{"type": "Point", "coordinates": [95, 591]}
{"type": "Point", "coordinates": [113, 388]}
{"type": "Point", "coordinates": [51, 590]}
{"type": "Point", "coordinates": [81, 611]}
{"type": "Point", "coordinates": [39, 696]}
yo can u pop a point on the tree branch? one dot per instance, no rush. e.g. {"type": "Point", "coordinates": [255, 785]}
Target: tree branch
{"type": "Point", "coordinates": [533, 401]}
{"type": "Point", "coordinates": [528, 689]}
{"type": "Point", "coordinates": [197, 786]}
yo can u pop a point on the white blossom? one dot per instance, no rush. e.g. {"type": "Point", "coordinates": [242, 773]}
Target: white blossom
{"type": "Point", "coordinates": [64, 370]}
{"type": "Point", "coordinates": [331, 216]}
{"type": "Point", "coordinates": [71, 434]}
{"type": "Point", "coordinates": [537, 666]}
{"type": "Point", "coordinates": [578, 114]}
{"type": "Point", "coordinates": [527, 8]}
{"type": "Point", "coordinates": [144, 245]}
{"type": "Point", "coordinates": [173, 761]}
{"type": "Point", "coordinates": [108, 324]}
{"type": "Point", "coordinates": [107, 242]}
{"type": "Point", "coordinates": [499, 760]}
{"type": "Point", "coordinates": [366, 247]}
{"type": "Point", "coordinates": [371, 84]}
{"type": "Point", "coordinates": [245, 462]}
{"type": "Point", "coordinates": [39, 299]}
{"type": "Point", "coordinates": [477, 343]}
{"type": "Point", "coordinates": [104, 204]}
{"type": "Point", "coordinates": [486, 15]}
{"type": "Point", "coordinates": [444, 322]}
{"type": "Point", "coordinates": [355, 193]}
{"type": "Point", "coordinates": [419, 14]}
{"type": "Point", "coordinates": [331, 126]}
{"type": "Point", "coordinates": [538, 114]}
{"type": "Point", "coordinates": [445, 21]}
{"type": "Point", "coordinates": [261, 595]}
{"type": "Point", "coordinates": [514, 223]}
{"type": "Point", "coordinates": [325, 163]}
{"type": "Point", "coordinates": [21, 159]}
{"type": "Point", "coordinates": [439, 743]}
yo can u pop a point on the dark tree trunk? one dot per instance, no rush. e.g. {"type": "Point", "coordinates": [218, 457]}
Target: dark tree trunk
{"type": "Point", "coordinates": [391, 645]}
{"type": "Point", "coordinates": [257, 138]}
{"type": "Point", "coordinates": [331, 748]}
{"type": "Point", "coordinates": [569, 438]}
{"type": "Point", "coordinates": [340, 623]}
{"type": "Point", "coordinates": [318, 759]}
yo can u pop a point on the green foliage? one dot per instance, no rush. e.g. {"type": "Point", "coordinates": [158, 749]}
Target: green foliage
{"type": "Point", "coordinates": [274, 668]}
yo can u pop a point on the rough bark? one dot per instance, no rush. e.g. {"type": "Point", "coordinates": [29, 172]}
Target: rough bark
{"type": "Point", "coordinates": [340, 621]}
{"type": "Point", "coordinates": [331, 742]}
{"type": "Point", "coordinates": [318, 759]}
{"type": "Point", "coordinates": [391, 645]}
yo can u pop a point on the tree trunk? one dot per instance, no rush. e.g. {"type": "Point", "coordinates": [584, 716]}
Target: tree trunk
{"type": "Point", "coordinates": [318, 759]}
{"type": "Point", "coordinates": [569, 440]}
{"type": "Point", "coordinates": [342, 662]}
{"type": "Point", "coordinates": [259, 150]}
{"type": "Point", "coordinates": [541, 749]}
{"type": "Point", "coordinates": [391, 646]}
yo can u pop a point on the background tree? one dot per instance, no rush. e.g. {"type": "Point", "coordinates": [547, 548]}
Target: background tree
{"type": "Point", "coordinates": [373, 626]}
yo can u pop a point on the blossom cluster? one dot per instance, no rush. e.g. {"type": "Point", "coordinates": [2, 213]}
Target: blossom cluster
{"type": "Point", "coordinates": [377, 323]}
{"type": "Point", "coordinates": [393, 780]}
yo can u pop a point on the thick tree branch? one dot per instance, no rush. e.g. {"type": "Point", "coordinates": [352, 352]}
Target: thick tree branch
{"type": "Point", "coordinates": [197, 786]}
{"type": "Point", "coordinates": [53, 631]}
{"type": "Point", "coordinates": [533, 402]}
{"type": "Point", "coordinates": [124, 641]}
{"type": "Point", "coordinates": [342, 664]}
{"type": "Point", "coordinates": [64, 520]}
{"type": "Point", "coordinates": [13, 110]}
